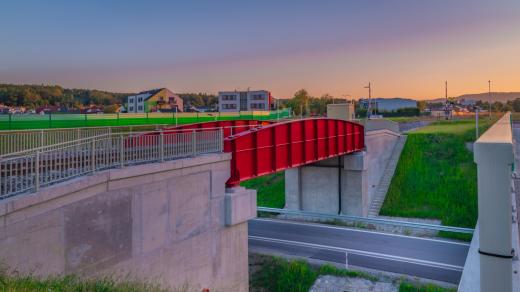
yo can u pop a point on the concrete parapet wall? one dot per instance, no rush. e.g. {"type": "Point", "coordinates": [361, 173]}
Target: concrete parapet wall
{"type": "Point", "coordinates": [381, 124]}
{"type": "Point", "coordinates": [165, 222]}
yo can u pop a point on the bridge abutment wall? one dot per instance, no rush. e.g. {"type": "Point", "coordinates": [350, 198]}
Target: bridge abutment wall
{"type": "Point", "coordinates": [171, 223]}
{"type": "Point", "coordinates": [349, 181]}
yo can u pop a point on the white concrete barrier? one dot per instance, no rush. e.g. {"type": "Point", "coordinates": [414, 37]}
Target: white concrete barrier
{"type": "Point", "coordinates": [493, 153]}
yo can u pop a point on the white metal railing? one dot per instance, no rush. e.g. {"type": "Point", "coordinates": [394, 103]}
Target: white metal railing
{"type": "Point", "coordinates": [29, 170]}
{"type": "Point", "coordinates": [16, 141]}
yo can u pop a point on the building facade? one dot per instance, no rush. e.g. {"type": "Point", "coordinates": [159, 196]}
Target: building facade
{"type": "Point", "coordinates": [234, 101]}
{"type": "Point", "coordinates": [155, 100]}
{"type": "Point", "coordinates": [388, 104]}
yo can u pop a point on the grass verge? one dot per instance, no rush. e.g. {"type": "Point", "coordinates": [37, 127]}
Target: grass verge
{"type": "Point", "coordinates": [71, 283]}
{"type": "Point", "coordinates": [270, 189]}
{"type": "Point", "coordinates": [276, 274]}
{"type": "Point", "coordinates": [436, 176]}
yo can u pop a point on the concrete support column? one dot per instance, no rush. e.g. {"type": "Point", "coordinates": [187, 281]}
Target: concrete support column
{"type": "Point", "coordinates": [293, 193]}
{"type": "Point", "coordinates": [354, 185]}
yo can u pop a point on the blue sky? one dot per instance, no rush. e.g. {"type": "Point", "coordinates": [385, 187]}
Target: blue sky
{"type": "Point", "coordinates": [405, 47]}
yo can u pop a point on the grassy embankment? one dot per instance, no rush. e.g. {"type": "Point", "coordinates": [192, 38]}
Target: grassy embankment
{"type": "Point", "coordinates": [436, 176]}
{"type": "Point", "coordinates": [276, 275]}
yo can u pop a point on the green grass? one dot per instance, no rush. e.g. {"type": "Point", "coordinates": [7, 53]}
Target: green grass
{"type": "Point", "coordinates": [279, 275]}
{"type": "Point", "coordinates": [71, 283]}
{"type": "Point", "coordinates": [436, 176]}
{"type": "Point", "coordinates": [22, 122]}
{"type": "Point", "coordinates": [409, 287]}
{"type": "Point", "coordinates": [270, 189]}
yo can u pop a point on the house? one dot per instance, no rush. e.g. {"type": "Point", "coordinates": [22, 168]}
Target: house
{"type": "Point", "coordinates": [388, 104]}
{"type": "Point", "coordinates": [155, 100]}
{"type": "Point", "coordinates": [234, 101]}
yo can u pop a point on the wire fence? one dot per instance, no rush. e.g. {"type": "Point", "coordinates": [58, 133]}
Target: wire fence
{"type": "Point", "coordinates": [29, 170]}
{"type": "Point", "coordinates": [66, 120]}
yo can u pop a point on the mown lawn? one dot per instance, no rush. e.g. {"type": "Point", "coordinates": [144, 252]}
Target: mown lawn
{"type": "Point", "coordinates": [270, 189]}
{"type": "Point", "coordinates": [436, 176]}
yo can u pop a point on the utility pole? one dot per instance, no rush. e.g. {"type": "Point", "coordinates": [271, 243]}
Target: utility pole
{"type": "Point", "coordinates": [489, 97]}
{"type": "Point", "coordinates": [447, 111]}
{"type": "Point", "coordinates": [369, 100]}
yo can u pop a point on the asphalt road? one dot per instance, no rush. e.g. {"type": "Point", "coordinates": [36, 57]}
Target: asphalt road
{"type": "Point", "coordinates": [426, 258]}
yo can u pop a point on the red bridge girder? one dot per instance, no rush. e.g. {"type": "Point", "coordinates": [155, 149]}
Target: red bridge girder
{"type": "Point", "coordinates": [229, 127]}
{"type": "Point", "coordinates": [280, 146]}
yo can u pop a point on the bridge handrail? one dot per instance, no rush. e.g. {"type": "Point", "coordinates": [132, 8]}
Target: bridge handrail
{"type": "Point", "coordinates": [52, 164]}
{"type": "Point", "coordinates": [12, 141]}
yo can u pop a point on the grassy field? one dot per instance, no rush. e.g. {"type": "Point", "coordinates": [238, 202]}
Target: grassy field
{"type": "Point", "coordinates": [436, 176]}
{"type": "Point", "coordinates": [279, 275]}
{"type": "Point", "coordinates": [270, 189]}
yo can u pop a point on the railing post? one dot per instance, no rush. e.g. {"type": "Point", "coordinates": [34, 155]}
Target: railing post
{"type": "Point", "coordinates": [161, 145]}
{"type": "Point", "coordinates": [37, 172]}
{"type": "Point", "coordinates": [121, 151]}
{"type": "Point", "coordinates": [221, 132]}
{"type": "Point", "coordinates": [93, 155]}
{"type": "Point", "coordinates": [41, 138]}
{"type": "Point", "coordinates": [193, 143]}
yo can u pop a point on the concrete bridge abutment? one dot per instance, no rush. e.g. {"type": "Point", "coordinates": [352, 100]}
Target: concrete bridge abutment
{"type": "Point", "coordinates": [341, 185]}
{"type": "Point", "coordinates": [171, 223]}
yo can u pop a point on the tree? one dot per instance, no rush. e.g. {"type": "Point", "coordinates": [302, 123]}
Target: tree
{"type": "Point", "coordinates": [421, 105]}
{"type": "Point", "coordinates": [516, 105]}
{"type": "Point", "coordinates": [299, 102]}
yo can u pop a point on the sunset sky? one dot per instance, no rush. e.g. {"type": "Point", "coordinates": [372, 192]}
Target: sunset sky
{"type": "Point", "coordinates": [406, 48]}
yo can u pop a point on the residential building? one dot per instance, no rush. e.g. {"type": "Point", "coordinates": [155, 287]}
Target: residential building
{"type": "Point", "coordinates": [155, 100]}
{"type": "Point", "coordinates": [234, 101]}
{"type": "Point", "coordinates": [388, 104]}
{"type": "Point", "coordinates": [341, 111]}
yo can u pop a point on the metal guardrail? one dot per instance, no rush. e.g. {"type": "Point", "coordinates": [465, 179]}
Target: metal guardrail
{"type": "Point", "coordinates": [12, 141]}
{"type": "Point", "coordinates": [32, 169]}
{"type": "Point", "coordinates": [368, 220]}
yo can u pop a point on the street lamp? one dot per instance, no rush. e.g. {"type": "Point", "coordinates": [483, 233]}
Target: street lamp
{"type": "Point", "coordinates": [369, 100]}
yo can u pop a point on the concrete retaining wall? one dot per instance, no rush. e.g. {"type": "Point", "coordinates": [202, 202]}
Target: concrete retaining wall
{"type": "Point", "coordinates": [172, 223]}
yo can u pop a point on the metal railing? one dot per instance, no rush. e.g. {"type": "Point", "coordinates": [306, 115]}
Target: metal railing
{"type": "Point", "coordinates": [368, 220]}
{"type": "Point", "coordinates": [29, 170]}
{"type": "Point", "coordinates": [17, 141]}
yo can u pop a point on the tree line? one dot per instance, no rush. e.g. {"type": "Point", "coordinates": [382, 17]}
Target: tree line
{"type": "Point", "coordinates": [33, 96]}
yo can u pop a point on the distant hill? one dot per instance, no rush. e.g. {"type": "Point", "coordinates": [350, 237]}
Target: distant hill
{"type": "Point", "coordinates": [495, 96]}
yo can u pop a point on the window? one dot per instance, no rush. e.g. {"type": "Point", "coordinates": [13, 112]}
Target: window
{"type": "Point", "coordinates": [229, 106]}
{"type": "Point", "coordinates": [139, 99]}
{"type": "Point", "coordinates": [140, 108]}
{"type": "Point", "coordinates": [258, 106]}
{"type": "Point", "coordinates": [131, 99]}
{"type": "Point", "coordinates": [229, 97]}
{"type": "Point", "coordinates": [131, 109]}
{"type": "Point", "coordinates": [258, 97]}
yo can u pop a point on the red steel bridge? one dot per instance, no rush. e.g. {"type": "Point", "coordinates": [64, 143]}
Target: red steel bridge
{"type": "Point", "coordinates": [260, 147]}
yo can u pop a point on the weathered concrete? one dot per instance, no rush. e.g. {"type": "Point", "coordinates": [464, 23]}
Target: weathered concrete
{"type": "Point", "coordinates": [351, 179]}
{"type": "Point", "coordinates": [173, 223]}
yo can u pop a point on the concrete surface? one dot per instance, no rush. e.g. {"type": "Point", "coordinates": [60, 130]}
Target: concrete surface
{"type": "Point", "coordinates": [351, 179]}
{"type": "Point", "coordinates": [171, 223]}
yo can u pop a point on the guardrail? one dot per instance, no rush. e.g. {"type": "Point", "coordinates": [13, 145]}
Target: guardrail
{"type": "Point", "coordinates": [32, 169]}
{"type": "Point", "coordinates": [368, 220]}
{"type": "Point", "coordinates": [19, 140]}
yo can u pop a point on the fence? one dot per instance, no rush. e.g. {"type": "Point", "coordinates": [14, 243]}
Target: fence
{"type": "Point", "coordinates": [16, 141]}
{"type": "Point", "coordinates": [33, 121]}
{"type": "Point", "coordinates": [29, 170]}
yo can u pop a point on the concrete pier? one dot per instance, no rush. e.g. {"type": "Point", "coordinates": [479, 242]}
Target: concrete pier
{"type": "Point", "coordinates": [344, 185]}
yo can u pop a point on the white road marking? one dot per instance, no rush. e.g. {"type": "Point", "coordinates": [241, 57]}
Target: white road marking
{"type": "Point", "coordinates": [320, 225]}
{"type": "Point", "coordinates": [362, 253]}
